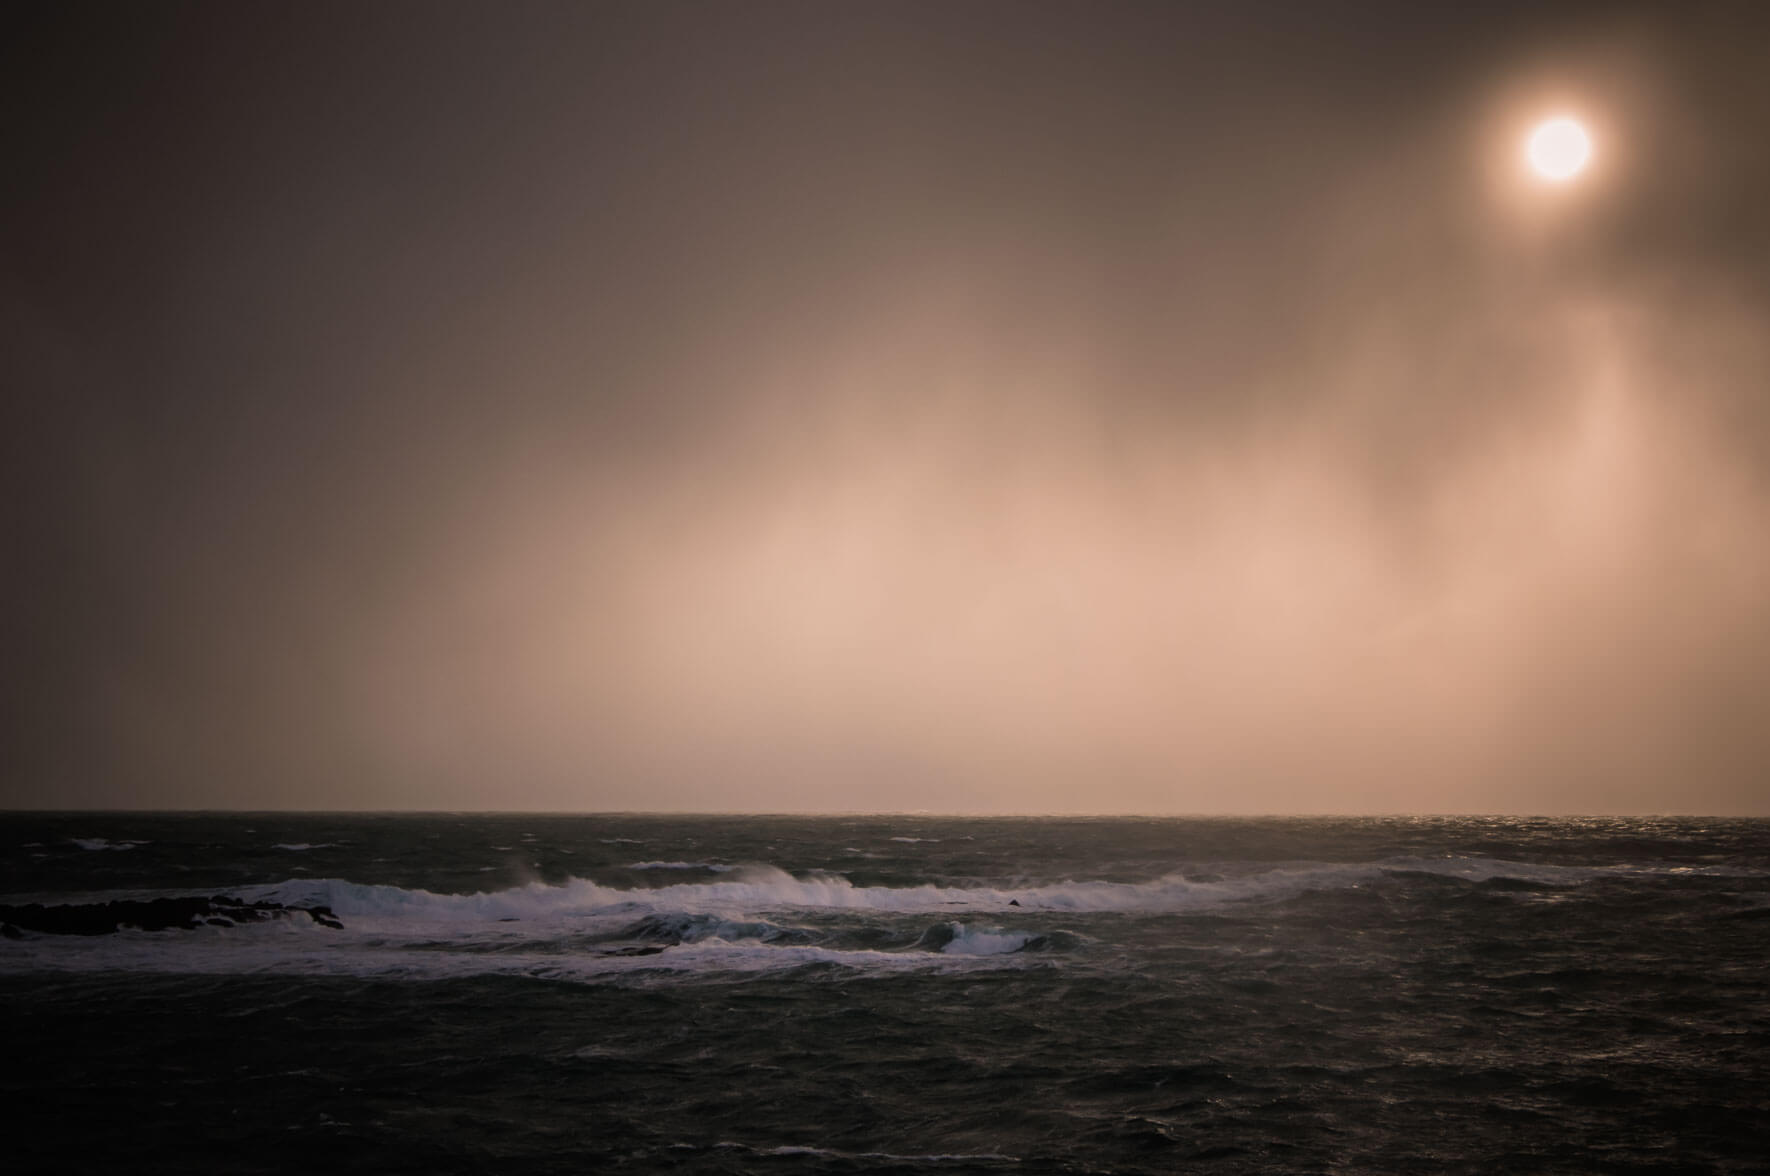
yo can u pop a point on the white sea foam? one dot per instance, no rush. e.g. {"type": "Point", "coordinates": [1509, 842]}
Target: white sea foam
{"type": "Point", "coordinates": [291, 948]}
{"type": "Point", "coordinates": [754, 894]}
{"type": "Point", "coordinates": [102, 843]}
{"type": "Point", "coordinates": [761, 888]}
{"type": "Point", "coordinates": [749, 890]}
{"type": "Point", "coordinates": [748, 919]}
{"type": "Point", "coordinates": [978, 941]}
{"type": "Point", "coordinates": [752, 889]}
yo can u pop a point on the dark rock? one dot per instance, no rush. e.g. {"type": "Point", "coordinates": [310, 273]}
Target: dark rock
{"type": "Point", "coordinates": [154, 914]}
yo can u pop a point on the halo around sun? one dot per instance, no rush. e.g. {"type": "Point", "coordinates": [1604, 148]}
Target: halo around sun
{"type": "Point", "coordinates": [1559, 149]}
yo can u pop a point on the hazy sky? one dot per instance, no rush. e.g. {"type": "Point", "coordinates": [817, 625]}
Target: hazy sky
{"type": "Point", "coordinates": [1185, 407]}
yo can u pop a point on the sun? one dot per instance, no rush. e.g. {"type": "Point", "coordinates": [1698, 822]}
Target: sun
{"type": "Point", "coordinates": [1559, 150]}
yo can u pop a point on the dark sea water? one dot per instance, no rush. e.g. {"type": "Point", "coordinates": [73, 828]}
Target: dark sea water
{"type": "Point", "coordinates": [580, 994]}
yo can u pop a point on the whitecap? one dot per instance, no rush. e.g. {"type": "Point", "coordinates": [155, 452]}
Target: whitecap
{"type": "Point", "coordinates": [978, 941]}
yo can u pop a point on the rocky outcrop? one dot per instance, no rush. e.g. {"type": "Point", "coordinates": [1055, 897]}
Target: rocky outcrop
{"type": "Point", "coordinates": [153, 914]}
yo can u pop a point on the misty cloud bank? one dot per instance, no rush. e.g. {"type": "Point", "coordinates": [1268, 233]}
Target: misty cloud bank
{"type": "Point", "coordinates": [890, 409]}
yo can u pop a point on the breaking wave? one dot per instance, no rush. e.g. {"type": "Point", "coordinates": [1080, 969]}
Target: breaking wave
{"type": "Point", "coordinates": [959, 939]}
{"type": "Point", "coordinates": [678, 928]}
{"type": "Point", "coordinates": [762, 888]}
{"type": "Point", "coordinates": [745, 919]}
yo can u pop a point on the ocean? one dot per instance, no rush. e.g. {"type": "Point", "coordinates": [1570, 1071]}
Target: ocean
{"type": "Point", "coordinates": [882, 994]}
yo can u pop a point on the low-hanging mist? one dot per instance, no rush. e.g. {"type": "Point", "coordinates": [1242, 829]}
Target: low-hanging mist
{"type": "Point", "coordinates": [988, 409]}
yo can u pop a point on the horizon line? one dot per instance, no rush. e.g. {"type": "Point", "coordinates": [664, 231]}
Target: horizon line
{"type": "Point", "coordinates": [833, 813]}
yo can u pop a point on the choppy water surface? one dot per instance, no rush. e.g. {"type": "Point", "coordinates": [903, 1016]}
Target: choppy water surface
{"type": "Point", "coordinates": [881, 994]}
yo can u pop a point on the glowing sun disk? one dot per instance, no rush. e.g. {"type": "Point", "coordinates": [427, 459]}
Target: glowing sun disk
{"type": "Point", "coordinates": [1559, 149]}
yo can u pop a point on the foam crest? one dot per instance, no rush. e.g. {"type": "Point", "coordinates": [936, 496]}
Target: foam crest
{"type": "Point", "coordinates": [979, 941]}
{"type": "Point", "coordinates": [750, 889]}
{"type": "Point", "coordinates": [677, 928]}
{"type": "Point", "coordinates": [768, 888]}
{"type": "Point", "coordinates": [289, 950]}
